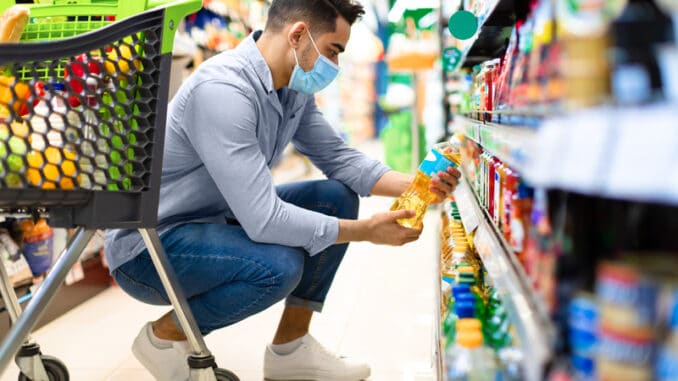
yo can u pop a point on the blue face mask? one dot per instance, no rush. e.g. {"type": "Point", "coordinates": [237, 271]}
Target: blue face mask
{"type": "Point", "coordinates": [323, 73]}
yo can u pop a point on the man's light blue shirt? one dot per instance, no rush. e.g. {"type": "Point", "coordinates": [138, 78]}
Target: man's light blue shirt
{"type": "Point", "coordinates": [226, 127]}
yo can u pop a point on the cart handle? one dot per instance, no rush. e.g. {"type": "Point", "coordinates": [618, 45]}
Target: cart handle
{"type": "Point", "coordinates": [175, 11]}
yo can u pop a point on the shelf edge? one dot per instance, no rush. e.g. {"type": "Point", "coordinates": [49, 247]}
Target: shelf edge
{"type": "Point", "coordinates": [527, 313]}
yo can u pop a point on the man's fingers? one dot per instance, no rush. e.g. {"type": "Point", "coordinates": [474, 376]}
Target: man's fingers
{"type": "Point", "coordinates": [441, 190]}
{"type": "Point", "coordinates": [398, 214]}
{"type": "Point", "coordinates": [448, 179]}
{"type": "Point", "coordinates": [454, 172]}
{"type": "Point", "coordinates": [442, 186]}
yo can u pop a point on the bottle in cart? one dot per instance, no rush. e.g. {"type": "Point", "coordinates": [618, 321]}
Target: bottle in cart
{"type": "Point", "coordinates": [38, 245]}
{"type": "Point", "coordinates": [417, 197]}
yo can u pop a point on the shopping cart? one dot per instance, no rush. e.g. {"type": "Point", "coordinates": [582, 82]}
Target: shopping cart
{"type": "Point", "coordinates": [83, 101]}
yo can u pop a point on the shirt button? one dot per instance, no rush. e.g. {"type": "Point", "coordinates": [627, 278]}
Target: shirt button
{"type": "Point", "coordinates": [292, 116]}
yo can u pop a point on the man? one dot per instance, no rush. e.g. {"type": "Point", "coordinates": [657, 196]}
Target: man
{"type": "Point", "coordinates": [238, 243]}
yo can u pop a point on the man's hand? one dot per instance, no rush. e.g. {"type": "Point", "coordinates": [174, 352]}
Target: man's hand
{"type": "Point", "coordinates": [381, 229]}
{"type": "Point", "coordinates": [444, 183]}
{"type": "Point", "coordinates": [384, 229]}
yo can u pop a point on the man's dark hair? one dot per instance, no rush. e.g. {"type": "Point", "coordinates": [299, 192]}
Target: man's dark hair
{"type": "Point", "coordinates": [320, 15]}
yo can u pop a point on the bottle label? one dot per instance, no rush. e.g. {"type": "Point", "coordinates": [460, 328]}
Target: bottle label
{"type": "Point", "coordinates": [517, 235]}
{"type": "Point", "coordinates": [627, 288]}
{"type": "Point", "coordinates": [615, 347]}
{"type": "Point", "coordinates": [435, 162]}
{"type": "Point", "coordinates": [497, 189]}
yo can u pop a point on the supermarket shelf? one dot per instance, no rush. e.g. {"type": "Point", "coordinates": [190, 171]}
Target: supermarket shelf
{"type": "Point", "coordinates": [619, 153]}
{"type": "Point", "coordinates": [438, 350]}
{"type": "Point", "coordinates": [495, 23]}
{"type": "Point", "coordinates": [536, 333]}
{"type": "Point", "coordinates": [508, 143]}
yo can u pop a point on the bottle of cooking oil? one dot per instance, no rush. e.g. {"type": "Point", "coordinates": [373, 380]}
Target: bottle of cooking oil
{"type": "Point", "coordinates": [417, 197]}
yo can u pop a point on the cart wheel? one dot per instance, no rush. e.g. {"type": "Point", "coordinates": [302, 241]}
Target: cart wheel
{"type": "Point", "coordinates": [56, 370]}
{"type": "Point", "coordinates": [225, 375]}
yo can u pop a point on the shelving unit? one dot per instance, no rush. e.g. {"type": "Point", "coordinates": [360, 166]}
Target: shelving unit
{"type": "Point", "coordinates": [508, 143]}
{"type": "Point", "coordinates": [494, 27]}
{"type": "Point", "coordinates": [624, 161]}
{"type": "Point", "coordinates": [625, 158]}
{"type": "Point", "coordinates": [438, 352]}
{"type": "Point", "coordinates": [535, 331]}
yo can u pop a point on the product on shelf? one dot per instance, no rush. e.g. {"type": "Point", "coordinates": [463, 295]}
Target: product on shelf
{"type": "Point", "coordinates": [521, 209]}
{"type": "Point", "coordinates": [626, 331]}
{"type": "Point", "coordinates": [469, 359]}
{"type": "Point", "coordinates": [509, 202]}
{"type": "Point", "coordinates": [569, 55]}
{"type": "Point", "coordinates": [418, 197]}
{"type": "Point", "coordinates": [637, 34]}
{"type": "Point", "coordinates": [472, 307]}
{"type": "Point", "coordinates": [583, 335]}
{"type": "Point", "coordinates": [666, 368]}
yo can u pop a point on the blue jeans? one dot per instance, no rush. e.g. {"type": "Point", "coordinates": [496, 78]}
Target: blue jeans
{"type": "Point", "coordinates": [228, 277]}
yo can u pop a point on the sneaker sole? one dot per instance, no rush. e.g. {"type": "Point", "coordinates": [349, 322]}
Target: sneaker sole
{"type": "Point", "coordinates": [316, 376]}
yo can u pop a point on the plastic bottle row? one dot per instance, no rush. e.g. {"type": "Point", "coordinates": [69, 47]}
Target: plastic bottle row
{"type": "Point", "coordinates": [477, 334]}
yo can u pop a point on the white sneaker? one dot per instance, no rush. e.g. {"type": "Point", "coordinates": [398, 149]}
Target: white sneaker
{"type": "Point", "coordinates": [168, 364]}
{"type": "Point", "coordinates": [312, 361]}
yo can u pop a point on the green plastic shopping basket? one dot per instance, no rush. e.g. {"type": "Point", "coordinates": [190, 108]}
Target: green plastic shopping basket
{"type": "Point", "coordinates": [83, 101]}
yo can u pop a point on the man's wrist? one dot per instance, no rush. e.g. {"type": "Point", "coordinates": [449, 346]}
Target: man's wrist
{"type": "Point", "coordinates": [353, 231]}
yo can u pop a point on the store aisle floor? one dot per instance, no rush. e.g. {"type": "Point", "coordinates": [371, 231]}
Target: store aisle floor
{"type": "Point", "coordinates": [380, 309]}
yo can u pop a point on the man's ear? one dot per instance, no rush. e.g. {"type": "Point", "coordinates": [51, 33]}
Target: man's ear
{"type": "Point", "coordinates": [296, 32]}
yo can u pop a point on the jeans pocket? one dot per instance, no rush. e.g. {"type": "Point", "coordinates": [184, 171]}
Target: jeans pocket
{"type": "Point", "coordinates": [138, 290]}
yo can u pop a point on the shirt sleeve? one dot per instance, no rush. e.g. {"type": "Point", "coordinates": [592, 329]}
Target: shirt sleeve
{"type": "Point", "coordinates": [221, 123]}
{"type": "Point", "coordinates": [321, 143]}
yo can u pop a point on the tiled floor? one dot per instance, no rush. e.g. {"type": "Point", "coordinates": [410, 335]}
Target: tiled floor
{"type": "Point", "coordinates": [380, 308]}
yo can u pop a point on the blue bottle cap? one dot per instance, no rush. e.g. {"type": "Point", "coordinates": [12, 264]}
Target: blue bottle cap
{"type": "Point", "coordinates": [460, 289]}
{"type": "Point", "coordinates": [465, 297]}
{"type": "Point", "coordinates": [465, 309]}
{"type": "Point", "coordinates": [524, 191]}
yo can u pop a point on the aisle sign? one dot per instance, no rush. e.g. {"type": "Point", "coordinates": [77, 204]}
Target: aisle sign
{"type": "Point", "coordinates": [451, 58]}
{"type": "Point", "coordinates": [463, 25]}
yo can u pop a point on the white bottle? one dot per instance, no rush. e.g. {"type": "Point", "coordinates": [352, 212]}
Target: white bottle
{"type": "Point", "coordinates": [469, 359]}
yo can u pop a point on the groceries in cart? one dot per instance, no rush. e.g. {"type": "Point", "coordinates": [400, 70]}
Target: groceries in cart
{"type": "Point", "coordinates": [75, 122]}
{"type": "Point", "coordinates": [12, 23]}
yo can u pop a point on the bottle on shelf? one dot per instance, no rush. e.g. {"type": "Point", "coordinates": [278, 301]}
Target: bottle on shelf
{"type": "Point", "coordinates": [489, 203]}
{"type": "Point", "coordinates": [521, 208]}
{"type": "Point", "coordinates": [469, 359]}
{"type": "Point", "coordinates": [666, 368]}
{"type": "Point", "coordinates": [418, 197]}
{"type": "Point", "coordinates": [499, 177]}
{"type": "Point", "coordinates": [637, 33]}
{"type": "Point", "coordinates": [510, 189]}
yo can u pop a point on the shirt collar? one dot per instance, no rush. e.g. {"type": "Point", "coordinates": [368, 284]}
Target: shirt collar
{"type": "Point", "coordinates": [248, 47]}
